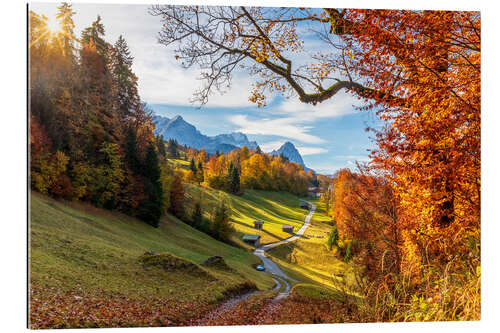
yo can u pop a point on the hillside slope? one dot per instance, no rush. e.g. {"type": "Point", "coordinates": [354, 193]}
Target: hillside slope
{"type": "Point", "coordinates": [274, 208]}
{"type": "Point", "coordinates": [309, 260]}
{"type": "Point", "coordinates": [79, 251]}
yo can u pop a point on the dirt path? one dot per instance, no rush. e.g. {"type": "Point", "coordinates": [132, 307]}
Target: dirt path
{"type": "Point", "coordinates": [271, 266]}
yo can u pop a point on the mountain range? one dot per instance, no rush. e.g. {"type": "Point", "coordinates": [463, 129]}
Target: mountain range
{"type": "Point", "coordinates": [186, 134]}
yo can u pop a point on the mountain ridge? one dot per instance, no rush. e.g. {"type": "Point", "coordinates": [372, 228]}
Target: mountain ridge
{"type": "Point", "coordinates": [187, 134]}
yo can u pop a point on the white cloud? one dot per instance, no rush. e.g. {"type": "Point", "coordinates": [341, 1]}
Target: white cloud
{"type": "Point", "coordinates": [284, 127]}
{"type": "Point", "coordinates": [304, 151]}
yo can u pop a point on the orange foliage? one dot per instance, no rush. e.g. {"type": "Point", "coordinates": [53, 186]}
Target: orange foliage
{"type": "Point", "coordinates": [427, 64]}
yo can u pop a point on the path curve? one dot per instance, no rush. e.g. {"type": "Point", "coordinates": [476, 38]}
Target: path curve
{"type": "Point", "coordinates": [270, 266]}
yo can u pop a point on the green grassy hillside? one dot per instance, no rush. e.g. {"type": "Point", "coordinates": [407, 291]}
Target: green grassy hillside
{"type": "Point", "coordinates": [178, 163]}
{"type": "Point", "coordinates": [79, 248]}
{"type": "Point", "coordinates": [274, 208]}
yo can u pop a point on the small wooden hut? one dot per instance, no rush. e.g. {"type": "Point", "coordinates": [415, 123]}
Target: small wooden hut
{"type": "Point", "coordinates": [258, 224]}
{"type": "Point", "coordinates": [251, 239]}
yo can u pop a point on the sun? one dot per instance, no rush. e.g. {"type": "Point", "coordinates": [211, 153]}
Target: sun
{"type": "Point", "coordinates": [53, 26]}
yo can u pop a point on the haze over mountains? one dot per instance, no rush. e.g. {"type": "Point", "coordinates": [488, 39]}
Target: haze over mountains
{"type": "Point", "coordinates": [186, 134]}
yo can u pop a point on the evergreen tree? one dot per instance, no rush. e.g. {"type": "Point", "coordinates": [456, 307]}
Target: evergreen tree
{"type": "Point", "coordinates": [234, 179]}
{"type": "Point", "coordinates": [131, 152]}
{"type": "Point", "coordinates": [283, 158]}
{"type": "Point", "coordinates": [258, 150]}
{"type": "Point", "coordinates": [172, 149]}
{"type": "Point", "coordinates": [200, 174]}
{"type": "Point", "coordinates": [160, 143]}
{"type": "Point", "coordinates": [192, 166]}
{"type": "Point", "coordinates": [221, 227]}
{"type": "Point", "coordinates": [151, 208]}
{"type": "Point", "coordinates": [125, 81]}
{"type": "Point", "coordinates": [65, 17]}
{"type": "Point", "coordinates": [95, 34]}
{"type": "Point", "coordinates": [333, 238]}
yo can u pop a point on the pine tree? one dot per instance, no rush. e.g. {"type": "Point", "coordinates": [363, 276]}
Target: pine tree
{"type": "Point", "coordinates": [125, 81]}
{"type": "Point", "coordinates": [234, 179]}
{"type": "Point", "coordinates": [192, 166]}
{"type": "Point", "coordinates": [258, 150]}
{"type": "Point", "coordinates": [95, 34]}
{"type": "Point", "coordinates": [221, 227]}
{"type": "Point", "coordinates": [65, 17]}
{"type": "Point", "coordinates": [151, 209]}
{"type": "Point", "coordinates": [131, 152]}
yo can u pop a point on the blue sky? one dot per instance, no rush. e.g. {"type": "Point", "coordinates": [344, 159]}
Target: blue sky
{"type": "Point", "coordinates": [329, 136]}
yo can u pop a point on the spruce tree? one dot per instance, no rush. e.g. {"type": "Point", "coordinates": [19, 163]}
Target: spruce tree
{"type": "Point", "coordinates": [65, 17]}
{"type": "Point", "coordinates": [125, 81]}
{"type": "Point", "coordinates": [192, 166]}
{"type": "Point", "coordinates": [95, 34]}
{"type": "Point", "coordinates": [221, 227]}
{"type": "Point", "coordinates": [151, 208]}
{"type": "Point", "coordinates": [172, 149]}
{"type": "Point", "coordinates": [131, 152]}
{"type": "Point", "coordinates": [234, 179]}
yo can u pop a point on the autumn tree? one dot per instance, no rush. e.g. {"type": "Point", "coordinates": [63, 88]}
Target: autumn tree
{"type": "Point", "coordinates": [177, 196]}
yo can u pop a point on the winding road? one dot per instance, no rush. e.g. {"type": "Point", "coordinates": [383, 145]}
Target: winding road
{"type": "Point", "coordinates": [271, 267]}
